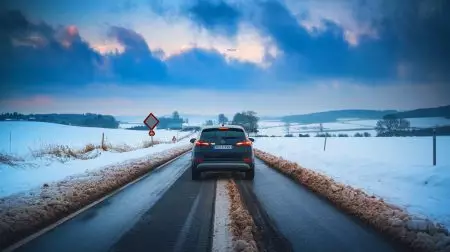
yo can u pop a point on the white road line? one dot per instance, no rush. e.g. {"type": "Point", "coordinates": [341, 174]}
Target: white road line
{"type": "Point", "coordinates": [222, 237]}
{"type": "Point", "coordinates": [187, 224]}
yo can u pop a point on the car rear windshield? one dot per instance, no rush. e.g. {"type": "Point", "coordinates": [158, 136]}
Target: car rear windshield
{"type": "Point", "coordinates": [229, 135]}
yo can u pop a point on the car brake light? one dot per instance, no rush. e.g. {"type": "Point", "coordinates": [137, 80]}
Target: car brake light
{"type": "Point", "coordinates": [247, 160]}
{"type": "Point", "coordinates": [201, 143]}
{"type": "Point", "coordinates": [198, 160]}
{"type": "Point", "coordinates": [244, 143]}
{"type": "Point", "coordinates": [223, 128]}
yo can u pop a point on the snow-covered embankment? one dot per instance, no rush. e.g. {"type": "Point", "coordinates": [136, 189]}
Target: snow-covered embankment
{"type": "Point", "coordinates": [24, 213]}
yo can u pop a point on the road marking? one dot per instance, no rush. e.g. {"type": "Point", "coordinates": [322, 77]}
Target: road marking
{"type": "Point", "coordinates": [181, 239]}
{"type": "Point", "coordinates": [222, 237]}
{"type": "Point", "coordinates": [70, 216]}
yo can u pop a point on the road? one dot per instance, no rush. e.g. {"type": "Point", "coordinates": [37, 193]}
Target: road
{"type": "Point", "coordinates": [167, 211]}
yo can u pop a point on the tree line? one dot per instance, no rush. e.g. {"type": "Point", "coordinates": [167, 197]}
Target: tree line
{"type": "Point", "coordinates": [86, 120]}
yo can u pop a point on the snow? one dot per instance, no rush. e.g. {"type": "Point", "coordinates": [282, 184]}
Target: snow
{"type": "Point", "coordinates": [37, 172]}
{"type": "Point", "coordinates": [398, 170]}
{"type": "Point", "coordinates": [345, 126]}
{"type": "Point", "coordinates": [222, 236]}
{"type": "Point", "coordinates": [26, 136]}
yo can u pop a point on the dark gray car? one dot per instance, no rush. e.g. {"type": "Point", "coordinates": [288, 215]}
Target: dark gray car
{"type": "Point", "coordinates": [223, 148]}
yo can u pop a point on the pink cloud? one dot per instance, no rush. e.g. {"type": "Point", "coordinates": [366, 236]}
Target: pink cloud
{"type": "Point", "coordinates": [32, 102]}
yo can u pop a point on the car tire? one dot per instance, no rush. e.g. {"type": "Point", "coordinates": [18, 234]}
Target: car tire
{"type": "Point", "coordinates": [249, 175]}
{"type": "Point", "coordinates": [195, 174]}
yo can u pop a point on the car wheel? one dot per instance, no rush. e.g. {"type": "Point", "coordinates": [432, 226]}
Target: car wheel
{"type": "Point", "coordinates": [249, 175]}
{"type": "Point", "coordinates": [195, 174]}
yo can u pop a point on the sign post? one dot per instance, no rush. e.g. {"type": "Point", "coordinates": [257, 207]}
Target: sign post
{"type": "Point", "coordinates": [151, 121]}
{"type": "Point", "coordinates": [434, 147]}
{"type": "Point", "coordinates": [325, 142]}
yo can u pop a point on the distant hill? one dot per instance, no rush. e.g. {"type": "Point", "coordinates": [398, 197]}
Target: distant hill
{"type": "Point", "coordinates": [332, 116]}
{"type": "Point", "coordinates": [443, 111]}
{"type": "Point", "coordinates": [85, 120]}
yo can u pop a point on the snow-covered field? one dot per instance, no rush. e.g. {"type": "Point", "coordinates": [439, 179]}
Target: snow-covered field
{"type": "Point", "coordinates": [398, 170]}
{"type": "Point", "coordinates": [26, 136]}
{"type": "Point", "coordinates": [33, 171]}
{"type": "Point", "coordinates": [348, 126]}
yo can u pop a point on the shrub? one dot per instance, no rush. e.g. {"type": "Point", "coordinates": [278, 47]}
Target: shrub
{"type": "Point", "coordinates": [367, 134]}
{"type": "Point", "coordinates": [358, 135]}
{"type": "Point", "coordinates": [288, 135]}
{"type": "Point", "coordinates": [342, 135]}
{"type": "Point", "coordinates": [303, 135]}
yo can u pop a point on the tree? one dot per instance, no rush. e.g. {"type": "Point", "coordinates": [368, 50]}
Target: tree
{"type": "Point", "coordinates": [366, 134]}
{"type": "Point", "coordinates": [248, 120]}
{"type": "Point", "coordinates": [176, 115]}
{"type": "Point", "coordinates": [222, 119]}
{"type": "Point", "coordinates": [392, 127]}
{"type": "Point", "coordinates": [287, 126]}
{"type": "Point", "coordinates": [209, 122]}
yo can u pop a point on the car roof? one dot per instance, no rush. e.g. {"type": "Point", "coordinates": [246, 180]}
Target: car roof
{"type": "Point", "coordinates": [226, 126]}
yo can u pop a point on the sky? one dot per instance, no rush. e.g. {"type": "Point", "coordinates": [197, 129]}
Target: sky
{"type": "Point", "coordinates": [204, 57]}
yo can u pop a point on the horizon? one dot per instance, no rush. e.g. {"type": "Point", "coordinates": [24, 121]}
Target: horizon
{"type": "Point", "coordinates": [288, 57]}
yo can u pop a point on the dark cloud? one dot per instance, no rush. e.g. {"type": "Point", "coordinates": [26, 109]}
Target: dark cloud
{"type": "Point", "coordinates": [202, 67]}
{"type": "Point", "coordinates": [419, 31]}
{"type": "Point", "coordinates": [137, 62]}
{"type": "Point", "coordinates": [218, 17]}
{"type": "Point", "coordinates": [39, 53]}
{"type": "Point", "coordinates": [323, 54]}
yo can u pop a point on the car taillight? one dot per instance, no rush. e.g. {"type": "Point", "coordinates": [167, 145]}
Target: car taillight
{"type": "Point", "coordinates": [201, 143]}
{"type": "Point", "coordinates": [198, 160]}
{"type": "Point", "coordinates": [244, 143]}
{"type": "Point", "coordinates": [247, 160]}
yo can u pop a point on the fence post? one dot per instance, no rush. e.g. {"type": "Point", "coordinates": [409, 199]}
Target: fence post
{"type": "Point", "coordinates": [434, 147]}
{"type": "Point", "coordinates": [103, 141]}
{"type": "Point", "coordinates": [325, 143]}
{"type": "Point", "coordinates": [10, 141]}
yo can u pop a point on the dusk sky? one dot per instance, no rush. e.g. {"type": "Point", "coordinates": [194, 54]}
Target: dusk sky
{"type": "Point", "coordinates": [130, 57]}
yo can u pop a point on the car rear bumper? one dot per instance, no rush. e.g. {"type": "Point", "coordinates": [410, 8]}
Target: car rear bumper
{"type": "Point", "coordinates": [223, 166]}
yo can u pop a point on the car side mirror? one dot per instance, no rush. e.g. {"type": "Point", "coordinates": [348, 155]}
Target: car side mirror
{"type": "Point", "coordinates": [193, 140]}
{"type": "Point", "coordinates": [251, 139]}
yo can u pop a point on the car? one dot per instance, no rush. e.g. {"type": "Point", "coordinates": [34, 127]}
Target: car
{"type": "Point", "coordinates": [223, 148]}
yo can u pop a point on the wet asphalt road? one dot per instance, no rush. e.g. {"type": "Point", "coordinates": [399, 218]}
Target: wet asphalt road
{"type": "Point", "coordinates": [167, 211]}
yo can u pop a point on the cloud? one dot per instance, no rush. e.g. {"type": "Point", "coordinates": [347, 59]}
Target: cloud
{"type": "Point", "coordinates": [364, 40]}
{"type": "Point", "coordinates": [419, 31]}
{"type": "Point", "coordinates": [203, 67]}
{"type": "Point", "coordinates": [218, 17]}
{"type": "Point", "coordinates": [44, 55]}
{"type": "Point", "coordinates": [39, 53]}
{"type": "Point", "coordinates": [136, 62]}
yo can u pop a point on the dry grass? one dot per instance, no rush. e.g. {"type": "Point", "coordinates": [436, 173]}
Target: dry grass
{"type": "Point", "coordinates": [9, 159]}
{"type": "Point", "coordinates": [417, 234]}
{"type": "Point", "coordinates": [148, 143]}
{"type": "Point", "coordinates": [65, 152]}
{"type": "Point", "coordinates": [23, 214]}
{"type": "Point", "coordinates": [242, 225]}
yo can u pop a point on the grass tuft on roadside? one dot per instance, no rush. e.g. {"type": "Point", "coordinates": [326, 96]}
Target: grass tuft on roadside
{"type": "Point", "coordinates": [9, 159]}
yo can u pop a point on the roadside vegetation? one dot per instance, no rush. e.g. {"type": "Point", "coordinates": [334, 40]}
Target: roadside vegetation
{"type": "Point", "coordinates": [242, 225]}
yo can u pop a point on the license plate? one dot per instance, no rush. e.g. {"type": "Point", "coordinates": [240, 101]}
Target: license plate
{"type": "Point", "coordinates": [223, 147]}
